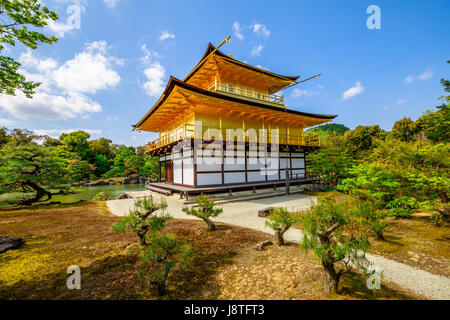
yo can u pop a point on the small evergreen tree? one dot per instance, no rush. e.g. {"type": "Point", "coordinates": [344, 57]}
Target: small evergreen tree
{"type": "Point", "coordinates": [280, 220]}
{"type": "Point", "coordinates": [204, 211]}
{"type": "Point", "coordinates": [161, 252]}
{"type": "Point", "coordinates": [332, 231]}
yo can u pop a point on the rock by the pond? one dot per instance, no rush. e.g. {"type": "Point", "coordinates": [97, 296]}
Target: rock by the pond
{"type": "Point", "coordinates": [8, 243]}
{"type": "Point", "coordinates": [97, 183]}
{"type": "Point", "coordinates": [265, 212]}
{"type": "Point", "coordinates": [124, 196]}
{"type": "Point", "coordinates": [111, 182]}
{"type": "Point", "coordinates": [136, 178]}
{"type": "Point", "coordinates": [261, 246]}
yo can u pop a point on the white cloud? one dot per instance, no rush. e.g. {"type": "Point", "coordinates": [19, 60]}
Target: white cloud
{"type": "Point", "coordinates": [62, 94]}
{"type": "Point", "coordinates": [47, 106]}
{"type": "Point", "coordinates": [353, 91]}
{"type": "Point", "coordinates": [70, 21]}
{"type": "Point", "coordinates": [154, 73]}
{"type": "Point", "coordinates": [296, 93]}
{"type": "Point", "coordinates": [261, 29]}
{"type": "Point", "coordinates": [7, 123]}
{"type": "Point", "coordinates": [409, 79]}
{"type": "Point", "coordinates": [59, 28]}
{"type": "Point", "coordinates": [56, 133]}
{"type": "Point", "coordinates": [401, 102]}
{"type": "Point", "coordinates": [111, 3]}
{"type": "Point", "coordinates": [238, 30]}
{"type": "Point", "coordinates": [256, 51]}
{"type": "Point", "coordinates": [89, 71]}
{"type": "Point", "coordinates": [262, 67]}
{"type": "Point", "coordinates": [424, 76]}
{"type": "Point", "coordinates": [29, 61]}
{"type": "Point", "coordinates": [386, 108]}
{"type": "Point", "coordinates": [166, 35]}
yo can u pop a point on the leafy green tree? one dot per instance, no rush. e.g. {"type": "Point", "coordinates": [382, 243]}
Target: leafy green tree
{"type": "Point", "coordinates": [19, 137]}
{"type": "Point", "coordinates": [402, 207]}
{"type": "Point", "coordinates": [332, 231]}
{"type": "Point", "coordinates": [446, 84]}
{"type": "Point", "coordinates": [150, 167]}
{"type": "Point", "coordinates": [79, 170]}
{"type": "Point", "coordinates": [133, 164]}
{"type": "Point", "coordinates": [373, 181]}
{"type": "Point", "coordinates": [122, 154]}
{"type": "Point", "coordinates": [140, 220]}
{"type": "Point", "coordinates": [405, 129]}
{"type": "Point", "coordinates": [102, 147]}
{"type": "Point", "coordinates": [332, 160]}
{"type": "Point", "coordinates": [280, 220]}
{"type": "Point", "coordinates": [360, 140]}
{"type": "Point", "coordinates": [101, 165]}
{"type": "Point", "coordinates": [3, 137]}
{"type": "Point", "coordinates": [31, 168]}
{"type": "Point", "coordinates": [147, 220]}
{"type": "Point", "coordinates": [166, 251]}
{"type": "Point", "coordinates": [373, 218]}
{"type": "Point", "coordinates": [204, 211]}
{"type": "Point", "coordinates": [77, 142]}
{"type": "Point", "coordinates": [19, 20]}
{"type": "Point", "coordinates": [436, 124]}
{"type": "Point", "coordinates": [52, 142]}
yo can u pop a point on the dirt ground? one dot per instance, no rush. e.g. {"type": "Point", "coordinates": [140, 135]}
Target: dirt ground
{"type": "Point", "coordinates": [417, 242]}
{"type": "Point", "coordinates": [224, 263]}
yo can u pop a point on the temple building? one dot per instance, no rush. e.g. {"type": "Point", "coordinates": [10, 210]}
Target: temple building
{"type": "Point", "coordinates": [225, 127]}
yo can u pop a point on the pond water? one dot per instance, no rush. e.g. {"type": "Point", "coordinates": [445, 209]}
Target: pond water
{"type": "Point", "coordinates": [88, 193]}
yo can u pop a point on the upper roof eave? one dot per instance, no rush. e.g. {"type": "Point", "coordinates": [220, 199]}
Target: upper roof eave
{"type": "Point", "coordinates": [211, 48]}
{"type": "Point", "coordinates": [177, 82]}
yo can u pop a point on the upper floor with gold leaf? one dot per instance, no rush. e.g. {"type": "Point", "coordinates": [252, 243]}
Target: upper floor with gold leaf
{"type": "Point", "coordinates": [224, 93]}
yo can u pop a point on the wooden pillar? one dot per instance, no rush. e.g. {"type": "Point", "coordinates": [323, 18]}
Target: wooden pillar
{"type": "Point", "coordinates": [159, 170]}
{"type": "Point", "coordinates": [287, 181]}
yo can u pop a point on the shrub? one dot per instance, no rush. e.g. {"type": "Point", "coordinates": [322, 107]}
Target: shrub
{"type": "Point", "coordinates": [402, 207]}
{"type": "Point", "coordinates": [437, 219]}
{"type": "Point", "coordinates": [163, 250]}
{"type": "Point", "coordinates": [372, 218]}
{"type": "Point", "coordinates": [204, 211]}
{"type": "Point", "coordinates": [334, 234]}
{"type": "Point", "coordinates": [280, 220]}
{"type": "Point", "coordinates": [101, 196]}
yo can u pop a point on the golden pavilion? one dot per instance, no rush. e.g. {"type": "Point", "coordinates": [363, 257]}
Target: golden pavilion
{"type": "Point", "coordinates": [224, 126]}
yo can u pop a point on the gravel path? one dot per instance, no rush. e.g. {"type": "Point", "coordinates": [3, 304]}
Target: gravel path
{"type": "Point", "coordinates": [244, 214]}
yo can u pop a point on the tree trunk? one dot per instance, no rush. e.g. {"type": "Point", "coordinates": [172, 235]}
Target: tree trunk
{"type": "Point", "coordinates": [443, 196]}
{"type": "Point", "coordinates": [40, 193]}
{"type": "Point", "coordinates": [160, 283]}
{"type": "Point", "coordinates": [331, 281]}
{"type": "Point", "coordinates": [211, 225]}
{"type": "Point", "coordinates": [279, 236]}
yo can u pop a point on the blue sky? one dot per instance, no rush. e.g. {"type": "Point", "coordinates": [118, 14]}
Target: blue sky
{"type": "Point", "coordinates": [105, 75]}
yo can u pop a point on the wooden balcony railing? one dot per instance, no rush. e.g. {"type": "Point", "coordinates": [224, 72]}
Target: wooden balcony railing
{"type": "Point", "coordinates": [188, 131]}
{"type": "Point", "coordinates": [243, 92]}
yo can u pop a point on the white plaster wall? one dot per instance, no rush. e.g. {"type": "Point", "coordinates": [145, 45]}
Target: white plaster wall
{"type": "Point", "coordinates": [255, 176]}
{"type": "Point", "coordinates": [204, 179]}
{"type": "Point", "coordinates": [188, 172]}
{"type": "Point", "coordinates": [234, 177]}
{"type": "Point", "coordinates": [177, 174]}
{"type": "Point", "coordinates": [298, 163]}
